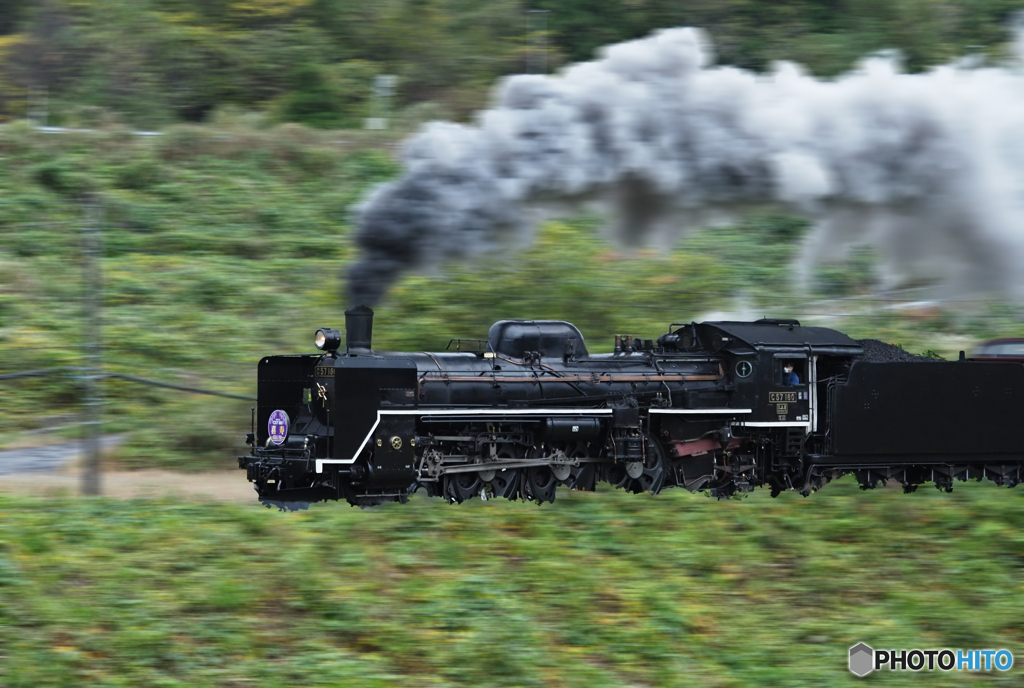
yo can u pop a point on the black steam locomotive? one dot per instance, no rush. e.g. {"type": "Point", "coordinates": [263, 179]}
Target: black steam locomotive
{"type": "Point", "coordinates": [719, 407]}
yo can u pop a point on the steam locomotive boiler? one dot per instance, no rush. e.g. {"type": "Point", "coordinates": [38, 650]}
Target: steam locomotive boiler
{"type": "Point", "coordinates": [707, 406]}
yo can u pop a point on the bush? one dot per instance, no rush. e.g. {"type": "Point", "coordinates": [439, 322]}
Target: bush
{"type": "Point", "coordinates": [415, 116]}
{"type": "Point", "coordinates": [354, 81]}
{"type": "Point", "coordinates": [854, 275]}
{"type": "Point", "coordinates": [235, 117]}
{"type": "Point", "coordinates": [182, 142]}
{"type": "Point", "coordinates": [140, 174]}
{"type": "Point", "coordinates": [62, 176]}
{"type": "Point", "coordinates": [6, 310]}
{"type": "Point", "coordinates": [92, 117]}
{"type": "Point", "coordinates": [314, 101]}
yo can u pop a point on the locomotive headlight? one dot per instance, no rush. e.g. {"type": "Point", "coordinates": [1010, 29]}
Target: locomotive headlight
{"type": "Point", "coordinates": [327, 339]}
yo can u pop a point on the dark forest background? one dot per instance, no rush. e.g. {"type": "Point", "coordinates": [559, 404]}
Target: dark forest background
{"type": "Point", "coordinates": [155, 62]}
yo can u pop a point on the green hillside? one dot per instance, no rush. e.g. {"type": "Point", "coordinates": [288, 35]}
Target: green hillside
{"type": "Point", "coordinates": [222, 245]}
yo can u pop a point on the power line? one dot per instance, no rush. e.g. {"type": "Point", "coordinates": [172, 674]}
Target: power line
{"type": "Point", "coordinates": [180, 388]}
{"type": "Point", "coordinates": [158, 354]}
{"type": "Point", "coordinates": [42, 372]}
{"type": "Point", "coordinates": [68, 372]}
{"type": "Point", "coordinates": [28, 225]}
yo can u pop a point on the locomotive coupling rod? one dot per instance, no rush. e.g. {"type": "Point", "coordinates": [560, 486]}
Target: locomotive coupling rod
{"type": "Point", "coordinates": [503, 465]}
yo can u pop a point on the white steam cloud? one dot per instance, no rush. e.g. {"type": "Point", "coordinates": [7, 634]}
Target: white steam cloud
{"type": "Point", "coordinates": [928, 167]}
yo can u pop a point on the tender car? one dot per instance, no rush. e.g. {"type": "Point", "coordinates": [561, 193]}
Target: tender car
{"type": "Point", "coordinates": [1008, 349]}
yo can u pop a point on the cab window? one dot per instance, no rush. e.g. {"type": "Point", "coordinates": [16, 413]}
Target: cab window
{"type": "Point", "coordinates": [790, 372]}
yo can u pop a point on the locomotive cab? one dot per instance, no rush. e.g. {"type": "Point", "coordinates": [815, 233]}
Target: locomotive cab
{"type": "Point", "coordinates": [775, 367]}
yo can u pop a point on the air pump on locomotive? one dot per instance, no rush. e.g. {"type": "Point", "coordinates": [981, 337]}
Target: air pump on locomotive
{"type": "Point", "coordinates": [703, 407]}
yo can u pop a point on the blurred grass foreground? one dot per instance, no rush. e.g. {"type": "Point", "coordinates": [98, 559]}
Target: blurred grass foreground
{"type": "Point", "coordinates": [603, 589]}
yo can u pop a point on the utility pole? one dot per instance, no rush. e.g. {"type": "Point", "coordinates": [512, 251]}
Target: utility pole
{"type": "Point", "coordinates": [39, 105]}
{"type": "Point", "coordinates": [380, 102]}
{"type": "Point", "coordinates": [543, 39]}
{"type": "Point", "coordinates": [92, 370]}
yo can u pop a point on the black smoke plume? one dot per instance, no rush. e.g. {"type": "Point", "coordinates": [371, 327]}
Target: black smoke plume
{"type": "Point", "coordinates": [928, 167]}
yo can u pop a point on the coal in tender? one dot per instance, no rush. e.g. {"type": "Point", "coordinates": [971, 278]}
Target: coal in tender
{"type": "Point", "coordinates": [881, 352]}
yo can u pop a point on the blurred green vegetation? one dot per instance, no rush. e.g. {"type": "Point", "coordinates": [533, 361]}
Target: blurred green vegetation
{"type": "Point", "coordinates": [605, 589]}
{"type": "Point", "coordinates": [152, 63]}
{"type": "Point", "coordinates": [225, 244]}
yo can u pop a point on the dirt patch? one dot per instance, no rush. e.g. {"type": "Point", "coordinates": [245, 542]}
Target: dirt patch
{"type": "Point", "coordinates": [50, 458]}
{"type": "Point", "coordinates": [56, 469]}
{"type": "Point", "coordinates": [220, 486]}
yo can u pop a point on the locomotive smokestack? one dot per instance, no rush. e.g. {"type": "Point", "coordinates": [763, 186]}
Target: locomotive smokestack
{"type": "Point", "coordinates": [358, 329]}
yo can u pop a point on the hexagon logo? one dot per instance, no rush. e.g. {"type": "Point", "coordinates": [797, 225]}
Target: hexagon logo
{"type": "Point", "coordinates": [862, 659]}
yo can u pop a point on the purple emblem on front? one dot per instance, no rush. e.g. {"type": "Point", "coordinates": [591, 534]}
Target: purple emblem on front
{"type": "Point", "coordinates": [277, 426]}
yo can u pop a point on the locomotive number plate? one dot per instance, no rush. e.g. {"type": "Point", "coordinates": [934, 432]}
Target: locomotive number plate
{"type": "Point", "coordinates": [325, 371]}
{"type": "Point", "coordinates": [776, 397]}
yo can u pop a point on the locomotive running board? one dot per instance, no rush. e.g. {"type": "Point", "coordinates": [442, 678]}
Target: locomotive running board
{"type": "Point", "coordinates": [513, 413]}
{"type": "Point", "coordinates": [806, 425]}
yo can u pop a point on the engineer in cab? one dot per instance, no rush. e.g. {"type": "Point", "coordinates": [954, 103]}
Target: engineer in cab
{"type": "Point", "coordinates": [789, 376]}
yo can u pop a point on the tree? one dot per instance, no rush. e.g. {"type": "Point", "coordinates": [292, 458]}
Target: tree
{"type": "Point", "coordinates": [12, 12]}
{"type": "Point", "coordinates": [313, 100]}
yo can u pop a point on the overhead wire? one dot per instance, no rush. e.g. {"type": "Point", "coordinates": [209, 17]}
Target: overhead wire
{"type": "Point", "coordinates": [42, 372]}
{"type": "Point", "coordinates": [70, 373]}
{"type": "Point", "coordinates": [180, 388]}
